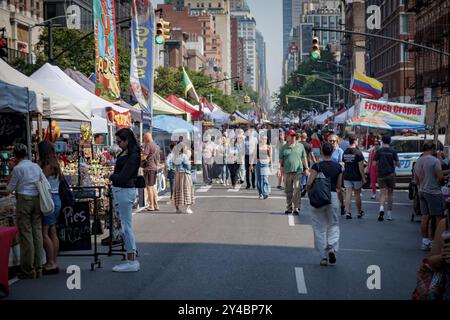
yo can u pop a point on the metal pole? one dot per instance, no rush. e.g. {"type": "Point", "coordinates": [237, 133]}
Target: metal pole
{"type": "Point", "coordinates": [50, 42]}
{"type": "Point", "coordinates": [329, 101]}
{"type": "Point", "coordinates": [28, 126]}
{"type": "Point", "coordinates": [30, 28]}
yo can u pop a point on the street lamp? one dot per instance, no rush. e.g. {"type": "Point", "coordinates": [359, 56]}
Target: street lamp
{"type": "Point", "coordinates": [44, 23]}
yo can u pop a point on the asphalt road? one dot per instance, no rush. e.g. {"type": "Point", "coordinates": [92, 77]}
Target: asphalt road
{"type": "Point", "coordinates": [235, 246]}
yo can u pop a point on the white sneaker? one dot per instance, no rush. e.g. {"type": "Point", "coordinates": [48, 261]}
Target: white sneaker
{"type": "Point", "coordinates": [189, 211]}
{"type": "Point", "coordinates": [425, 247]}
{"type": "Point", "coordinates": [128, 266]}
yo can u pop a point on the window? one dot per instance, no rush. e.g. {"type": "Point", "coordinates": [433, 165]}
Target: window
{"type": "Point", "coordinates": [317, 21]}
{"type": "Point", "coordinates": [324, 21]}
{"type": "Point", "coordinates": [332, 22]}
{"type": "Point", "coordinates": [404, 53]}
{"type": "Point", "coordinates": [404, 24]}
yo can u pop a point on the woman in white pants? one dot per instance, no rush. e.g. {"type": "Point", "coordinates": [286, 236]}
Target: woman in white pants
{"type": "Point", "coordinates": [325, 220]}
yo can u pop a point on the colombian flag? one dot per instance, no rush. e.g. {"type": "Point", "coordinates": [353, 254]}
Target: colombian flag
{"type": "Point", "coordinates": [366, 86]}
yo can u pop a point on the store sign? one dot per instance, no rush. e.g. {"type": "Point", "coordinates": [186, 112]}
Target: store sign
{"type": "Point", "coordinates": [74, 230]}
{"type": "Point", "coordinates": [385, 110]}
{"type": "Point", "coordinates": [119, 119]}
{"type": "Point", "coordinates": [142, 48]}
{"type": "Point", "coordinates": [106, 54]}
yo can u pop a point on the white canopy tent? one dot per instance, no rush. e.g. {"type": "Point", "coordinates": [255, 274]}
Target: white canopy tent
{"type": "Point", "coordinates": [54, 105]}
{"type": "Point", "coordinates": [54, 78]}
{"type": "Point", "coordinates": [344, 116]}
{"type": "Point", "coordinates": [99, 125]}
{"type": "Point", "coordinates": [219, 116]}
{"type": "Point", "coordinates": [320, 119]}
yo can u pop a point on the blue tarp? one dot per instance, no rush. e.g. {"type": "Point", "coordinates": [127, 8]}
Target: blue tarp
{"type": "Point", "coordinates": [16, 99]}
{"type": "Point", "coordinates": [406, 125]}
{"type": "Point", "coordinates": [172, 124]}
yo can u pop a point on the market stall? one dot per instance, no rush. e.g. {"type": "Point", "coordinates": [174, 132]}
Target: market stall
{"type": "Point", "coordinates": [320, 119]}
{"type": "Point", "coordinates": [193, 113]}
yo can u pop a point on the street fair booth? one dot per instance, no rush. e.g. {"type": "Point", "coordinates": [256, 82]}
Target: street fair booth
{"type": "Point", "coordinates": [163, 107]}
{"type": "Point", "coordinates": [321, 119]}
{"type": "Point", "coordinates": [217, 115]}
{"type": "Point", "coordinates": [387, 115]}
{"type": "Point", "coordinates": [193, 113]}
{"type": "Point", "coordinates": [238, 118]}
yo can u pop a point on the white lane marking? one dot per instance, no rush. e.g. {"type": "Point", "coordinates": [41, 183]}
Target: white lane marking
{"type": "Point", "coordinates": [301, 285]}
{"type": "Point", "coordinates": [291, 220]}
{"type": "Point", "coordinates": [13, 280]}
{"type": "Point", "coordinates": [358, 250]}
{"type": "Point", "coordinates": [204, 189]}
{"type": "Point", "coordinates": [235, 190]}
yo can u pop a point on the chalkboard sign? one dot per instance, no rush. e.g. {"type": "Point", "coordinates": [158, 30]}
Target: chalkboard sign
{"type": "Point", "coordinates": [74, 230]}
{"type": "Point", "coordinates": [12, 129]}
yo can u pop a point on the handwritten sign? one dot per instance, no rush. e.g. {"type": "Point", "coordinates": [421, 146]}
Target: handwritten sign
{"type": "Point", "coordinates": [12, 129]}
{"type": "Point", "coordinates": [74, 230]}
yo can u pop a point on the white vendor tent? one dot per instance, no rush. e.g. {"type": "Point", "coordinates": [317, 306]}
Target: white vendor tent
{"type": "Point", "coordinates": [320, 119]}
{"type": "Point", "coordinates": [99, 125]}
{"type": "Point", "coordinates": [344, 116]}
{"type": "Point", "coordinates": [55, 79]}
{"type": "Point", "coordinates": [54, 105]}
{"type": "Point", "coordinates": [219, 116]}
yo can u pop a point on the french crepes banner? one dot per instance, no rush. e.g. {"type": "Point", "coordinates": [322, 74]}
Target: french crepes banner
{"type": "Point", "coordinates": [142, 45]}
{"type": "Point", "coordinates": [119, 119]}
{"type": "Point", "coordinates": [106, 54]}
{"type": "Point", "coordinates": [392, 111]}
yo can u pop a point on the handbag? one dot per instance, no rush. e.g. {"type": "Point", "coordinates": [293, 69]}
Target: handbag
{"type": "Point", "coordinates": [140, 182]}
{"type": "Point", "coordinates": [430, 284]}
{"type": "Point", "coordinates": [320, 192]}
{"type": "Point", "coordinates": [46, 201]}
{"type": "Point", "coordinates": [66, 195]}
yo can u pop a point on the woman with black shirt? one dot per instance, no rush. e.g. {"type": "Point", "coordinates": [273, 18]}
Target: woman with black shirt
{"type": "Point", "coordinates": [325, 220]}
{"type": "Point", "coordinates": [124, 193]}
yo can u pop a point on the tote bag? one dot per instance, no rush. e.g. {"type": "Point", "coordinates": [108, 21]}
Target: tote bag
{"type": "Point", "coordinates": [45, 197]}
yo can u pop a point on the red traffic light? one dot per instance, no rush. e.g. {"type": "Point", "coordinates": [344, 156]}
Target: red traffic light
{"type": "Point", "coordinates": [2, 43]}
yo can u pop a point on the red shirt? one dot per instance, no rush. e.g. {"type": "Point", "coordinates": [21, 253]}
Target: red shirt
{"type": "Point", "coordinates": [315, 143]}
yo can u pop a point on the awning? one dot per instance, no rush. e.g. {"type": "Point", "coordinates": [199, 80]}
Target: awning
{"type": "Point", "coordinates": [320, 119]}
{"type": "Point", "coordinates": [185, 106]}
{"type": "Point", "coordinates": [56, 105]}
{"type": "Point", "coordinates": [164, 107]}
{"type": "Point", "coordinates": [383, 124]}
{"type": "Point", "coordinates": [172, 124]}
{"type": "Point", "coordinates": [99, 125]}
{"type": "Point", "coordinates": [17, 99]}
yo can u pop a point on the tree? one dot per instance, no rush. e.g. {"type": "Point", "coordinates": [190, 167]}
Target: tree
{"type": "Point", "coordinates": [168, 82]}
{"type": "Point", "coordinates": [80, 56]}
{"type": "Point", "coordinates": [299, 85]}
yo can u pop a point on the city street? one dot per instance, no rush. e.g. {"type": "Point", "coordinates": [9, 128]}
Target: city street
{"type": "Point", "coordinates": [235, 246]}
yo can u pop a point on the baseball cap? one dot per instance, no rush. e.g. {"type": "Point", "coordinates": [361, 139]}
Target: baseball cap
{"type": "Point", "coordinates": [291, 133]}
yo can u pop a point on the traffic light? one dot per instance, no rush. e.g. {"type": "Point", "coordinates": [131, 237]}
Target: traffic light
{"type": "Point", "coordinates": [3, 49]}
{"type": "Point", "coordinates": [247, 99]}
{"type": "Point", "coordinates": [241, 86]}
{"type": "Point", "coordinates": [236, 86]}
{"type": "Point", "coordinates": [315, 55]}
{"type": "Point", "coordinates": [287, 100]}
{"type": "Point", "coordinates": [162, 31]}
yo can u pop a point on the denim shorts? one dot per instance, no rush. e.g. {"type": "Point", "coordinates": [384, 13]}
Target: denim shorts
{"type": "Point", "coordinates": [53, 218]}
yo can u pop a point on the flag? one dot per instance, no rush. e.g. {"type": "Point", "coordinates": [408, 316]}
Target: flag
{"type": "Point", "coordinates": [205, 103]}
{"type": "Point", "coordinates": [366, 86]}
{"type": "Point", "coordinates": [142, 46]}
{"type": "Point", "coordinates": [189, 87]}
{"type": "Point", "coordinates": [106, 55]}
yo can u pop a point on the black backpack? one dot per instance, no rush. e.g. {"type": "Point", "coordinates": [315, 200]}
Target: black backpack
{"type": "Point", "coordinates": [320, 193]}
{"type": "Point", "coordinates": [66, 195]}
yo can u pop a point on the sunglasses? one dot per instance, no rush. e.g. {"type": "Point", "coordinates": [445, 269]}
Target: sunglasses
{"type": "Point", "coordinates": [332, 141]}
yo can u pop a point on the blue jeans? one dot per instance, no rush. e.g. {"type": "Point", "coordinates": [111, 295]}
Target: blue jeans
{"type": "Point", "coordinates": [53, 218]}
{"type": "Point", "coordinates": [225, 174]}
{"type": "Point", "coordinates": [262, 179]}
{"type": "Point", "coordinates": [123, 202]}
{"type": "Point", "coordinates": [171, 177]}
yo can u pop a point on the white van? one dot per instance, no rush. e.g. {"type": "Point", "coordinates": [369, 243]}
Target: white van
{"type": "Point", "coordinates": [409, 149]}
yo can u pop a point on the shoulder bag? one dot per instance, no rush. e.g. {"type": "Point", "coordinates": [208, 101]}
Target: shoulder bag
{"type": "Point", "coordinates": [46, 201]}
{"type": "Point", "coordinates": [320, 193]}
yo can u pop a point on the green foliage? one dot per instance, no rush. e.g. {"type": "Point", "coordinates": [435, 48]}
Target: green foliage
{"type": "Point", "coordinates": [80, 56]}
{"type": "Point", "coordinates": [168, 82]}
{"type": "Point", "coordinates": [299, 85]}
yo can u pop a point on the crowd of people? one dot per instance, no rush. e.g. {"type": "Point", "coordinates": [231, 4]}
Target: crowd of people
{"type": "Point", "coordinates": [299, 157]}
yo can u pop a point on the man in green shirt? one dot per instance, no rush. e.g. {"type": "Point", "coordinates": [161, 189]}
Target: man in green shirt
{"type": "Point", "coordinates": [293, 164]}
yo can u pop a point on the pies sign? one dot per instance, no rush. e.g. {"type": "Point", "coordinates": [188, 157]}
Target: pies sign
{"type": "Point", "coordinates": [120, 119]}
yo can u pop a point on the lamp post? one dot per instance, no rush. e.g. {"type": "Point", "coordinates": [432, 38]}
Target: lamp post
{"type": "Point", "coordinates": [48, 22]}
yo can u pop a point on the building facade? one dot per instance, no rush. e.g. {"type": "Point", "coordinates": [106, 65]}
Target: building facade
{"type": "Point", "coordinates": [237, 51]}
{"type": "Point", "coordinates": [17, 21]}
{"type": "Point", "coordinates": [56, 8]}
{"type": "Point", "coordinates": [390, 62]}
{"type": "Point", "coordinates": [220, 11]}
{"type": "Point", "coordinates": [432, 70]}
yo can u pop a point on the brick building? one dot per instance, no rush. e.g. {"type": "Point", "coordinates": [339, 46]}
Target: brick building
{"type": "Point", "coordinates": [237, 51]}
{"type": "Point", "coordinates": [433, 69]}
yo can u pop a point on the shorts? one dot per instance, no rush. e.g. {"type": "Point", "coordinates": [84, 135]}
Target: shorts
{"type": "Point", "coordinates": [150, 178]}
{"type": "Point", "coordinates": [431, 204]}
{"type": "Point", "coordinates": [355, 185]}
{"type": "Point", "coordinates": [387, 182]}
{"type": "Point", "coordinates": [52, 219]}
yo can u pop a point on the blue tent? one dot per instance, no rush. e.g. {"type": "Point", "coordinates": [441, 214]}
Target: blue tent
{"type": "Point", "coordinates": [16, 99]}
{"type": "Point", "coordinates": [172, 124]}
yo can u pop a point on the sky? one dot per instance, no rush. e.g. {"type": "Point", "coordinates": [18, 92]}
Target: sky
{"type": "Point", "coordinates": [269, 21]}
